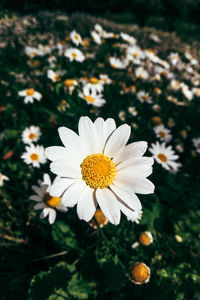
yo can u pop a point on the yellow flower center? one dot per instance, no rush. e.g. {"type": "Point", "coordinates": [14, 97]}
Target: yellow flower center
{"type": "Point", "coordinates": [30, 92]}
{"type": "Point", "coordinates": [89, 99]}
{"type": "Point", "coordinates": [52, 201]}
{"type": "Point", "coordinates": [162, 157]}
{"type": "Point", "coordinates": [94, 80]}
{"type": "Point", "coordinates": [33, 53]}
{"type": "Point", "coordinates": [98, 171]}
{"type": "Point", "coordinates": [145, 98]}
{"type": "Point", "coordinates": [144, 239]}
{"type": "Point", "coordinates": [100, 219]}
{"type": "Point", "coordinates": [34, 156]}
{"type": "Point", "coordinates": [69, 82]}
{"type": "Point", "coordinates": [56, 77]}
{"type": "Point", "coordinates": [76, 37]}
{"type": "Point", "coordinates": [32, 136]}
{"type": "Point", "coordinates": [140, 273]}
{"type": "Point", "coordinates": [162, 134]}
{"type": "Point", "coordinates": [74, 55]}
{"type": "Point", "coordinates": [135, 54]}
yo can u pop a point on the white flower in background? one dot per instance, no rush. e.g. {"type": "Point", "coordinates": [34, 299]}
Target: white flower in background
{"type": "Point", "coordinates": [140, 72]}
{"type": "Point", "coordinates": [174, 84]}
{"type": "Point", "coordinates": [128, 38]}
{"type": "Point", "coordinates": [55, 77]}
{"type": "Point", "coordinates": [109, 35]}
{"type": "Point", "coordinates": [34, 155]}
{"type": "Point", "coordinates": [95, 84]}
{"type": "Point", "coordinates": [31, 134]}
{"type": "Point", "coordinates": [132, 110]}
{"type": "Point", "coordinates": [146, 238]}
{"type": "Point", "coordinates": [98, 28]}
{"type": "Point", "coordinates": [70, 84]}
{"type": "Point", "coordinates": [135, 54]}
{"type": "Point", "coordinates": [192, 60]}
{"type": "Point", "coordinates": [122, 115]}
{"type": "Point", "coordinates": [185, 90]}
{"type": "Point", "coordinates": [196, 91]}
{"type": "Point", "coordinates": [195, 81]}
{"type": "Point", "coordinates": [116, 63]}
{"type": "Point", "coordinates": [74, 54]}
{"type": "Point", "coordinates": [46, 49]}
{"type": "Point", "coordinates": [2, 178]}
{"type": "Point", "coordinates": [32, 51]}
{"type": "Point", "coordinates": [144, 97]}
{"type": "Point", "coordinates": [90, 95]}
{"type": "Point", "coordinates": [29, 95]}
{"type": "Point", "coordinates": [98, 168]}
{"type": "Point", "coordinates": [76, 38]}
{"type": "Point", "coordinates": [48, 203]}
{"type": "Point", "coordinates": [96, 37]}
{"type": "Point", "coordinates": [165, 156]}
{"type": "Point", "coordinates": [162, 133]}
{"type": "Point", "coordinates": [104, 78]}
{"type": "Point", "coordinates": [52, 61]}
{"type": "Point", "coordinates": [150, 54]}
{"type": "Point", "coordinates": [174, 58]}
{"type": "Point", "coordinates": [196, 143]}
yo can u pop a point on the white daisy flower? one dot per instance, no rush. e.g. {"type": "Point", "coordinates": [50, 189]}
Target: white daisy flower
{"type": "Point", "coordinates": [128, 38]}
{"type": "Point", "coordinates": [192, 60]}
{"type": "Point", "coordinates": [30, 95]}
{"type": "Point", "coordinates": [150, 54]}
{"type": "Point", "coordinates": [140, 72]}
{"type": "Point", "coordinates": [76, 38]}
{"type": "Point", "coordinates": [132, 110]}
{"type": "Point", "coordinates": [31, 134]}
{"type": "Point", "coordinates": [196, 91]}
{"type": "Point", "coordinates": [48, 203]}
{"type": "Point", "coordinates": [162, 133]}
{"type": "Point", "coordinates": [98, 28]}
{"type": "Point", "coordinates": [70, 84]}
{"type": "Point", "coordinates": [90, 95]}
{"type": "Point", "coordinates": [97, 168]}
{"type": "Point", "coordinates": [116, 63]}
{"type": "Point", "coordinates": [34, 155]}
{"type": "Point", "coordinates": [55, 77]}
{"type": "Point", "coordinates": [2, 178]}
{"type": "Point", "coordinates": [165, 156]}
{"type": "Point", "coordinates": [196, 142]}
{"type": "Point", "coordinates": [32, 51]}
{"type": "Point", "coordinates": [96, 37]}
{"type": "Point", "coordinates": [144, 97]}
{"type": "Point", "coordinates": [95, 84]}
{"type": "Point", "coordinates": [174, 58]}
{"type": "Point", "coordinates": [105, 79]}
{"type": "Point", "coordinates": [135, 54]}
{"type": "Point", "coordinates": [174, 84]}
{"type": "Point", "coordinates": [195, 81]}
{"type": "Point", "coordinates": [186, 91]}
{"type": "Point", "coordinates": [74, 54]}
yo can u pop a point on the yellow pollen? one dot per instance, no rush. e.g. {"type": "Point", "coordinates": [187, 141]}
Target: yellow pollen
{"type": "Point", "coordinates": [162, 157]}
{"type": "Point", "coordinates": [34, 156]}
{"type": "Point", "coordinates": [74, 55]}
{"type": "Point", "coordinates": [30, 92]}
{"type": "Point", "coordinates": [140, 273]}
{"type": "Point", "coordinates": [164, 74]}
{"type": "Point", "coordinates": [76, 37]}
{"type": "Point", "coordinates": [33, 53]}
{"type": "Point", "coordinates": [135, 54]}
{"type": "Point", "coordinates": [94, 80]}
{"type": "Point", "coordinates": [69, 82]}
{"type": "Point", "coordinates": [51, 201]}
{"type": "Point", "coordinates": [98, 171]}
{"type": "Point", "coordinates": [162, 134]}
{"type": "Point", "coordinates": [89, 99]}
{"type": "Point", "coordinates": [114, 66]}
{"type": "Point", "coordinates": [32, 136]}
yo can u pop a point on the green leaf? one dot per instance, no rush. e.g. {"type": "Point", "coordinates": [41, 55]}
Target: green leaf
{"type": "Point", "coordinates": [63, 235]}
{"type": "Point", "coordinates": [80, 289]}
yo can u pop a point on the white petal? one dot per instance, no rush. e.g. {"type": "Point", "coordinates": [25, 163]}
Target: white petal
{"type": "Point", "coordinates": [109, 205]}
{"type": "Point", "coordinates": [73, 193]}
{"type": "Point", "coordinates": [71, 141]}
{"type": "Point", "coordinates": [117, 140]}
{"type": "Point", "coordinates": [52, 216]}
{"type": "Point", "coordinates": [66, 168]}
{"type": "Point", "coordinates": [39, 206]}
{"type": "Point", "coordinates": [45, 212]}
{"type": "Point", "coordinates": [133, 184]}
{"type": "Point", "coordinates": [37, 190]}
{"type": "Point", "coordinates": [60, 186]}
{"type": "Point", "coordinates": [88, 135]}
{"type": "Point", "coordinates": [35, 198]}
{"type": "Point", "coordinates": [56, 152]}
{"type": "Point", "coordinates": [86, 205]}
{"type": "Point", "coordinates": [131, 151]}
{"type": "Point", "coordinates": [131, 201]}
{"type": "Point", "coordinates": [104, 130]}
{"type": "Point", "coordinates": [136, 163]}
{"type": "Point", "coordinates": [47, 180]}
